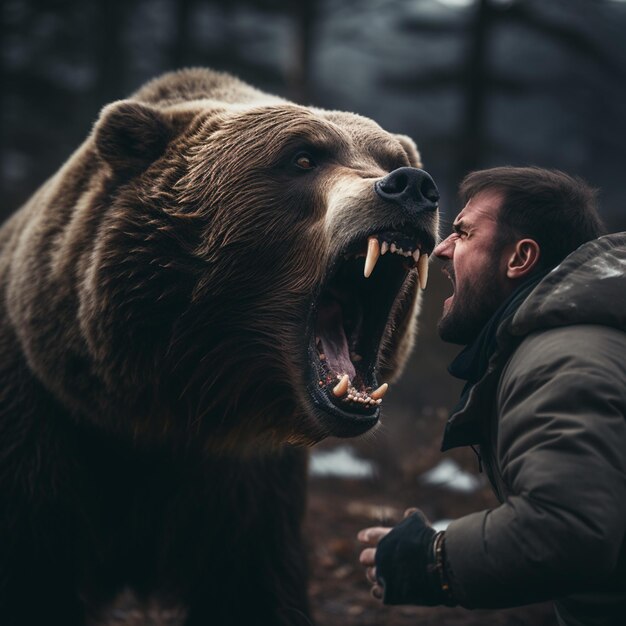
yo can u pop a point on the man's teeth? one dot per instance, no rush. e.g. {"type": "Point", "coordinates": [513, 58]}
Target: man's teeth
{"type": "Point", "coordinates": [348, 393]}
{"type": "Point", "coordinates": [375, 250]}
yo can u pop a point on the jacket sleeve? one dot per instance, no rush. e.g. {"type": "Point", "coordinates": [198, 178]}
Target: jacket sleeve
{"type": "Point", "coordinates": [561, 447]}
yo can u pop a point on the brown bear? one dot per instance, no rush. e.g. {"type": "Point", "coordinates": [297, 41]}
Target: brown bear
{"type": "Point", "coordinates": [215, 278]}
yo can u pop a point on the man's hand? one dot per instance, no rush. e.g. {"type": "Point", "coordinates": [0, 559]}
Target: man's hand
{"type": "Point", "coordinates": [402, 564]}
{"type": "Point", "coordinates": [367, 558]}
{"type": "Point", "coordinates": [371, 536]}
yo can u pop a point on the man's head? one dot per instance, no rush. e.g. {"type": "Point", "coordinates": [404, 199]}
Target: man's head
{"type": "Point", "coordinates": [516, 221]}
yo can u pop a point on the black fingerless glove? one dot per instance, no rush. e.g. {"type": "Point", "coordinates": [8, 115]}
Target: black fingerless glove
{"type": "Point", "coordinates": [410, 565]}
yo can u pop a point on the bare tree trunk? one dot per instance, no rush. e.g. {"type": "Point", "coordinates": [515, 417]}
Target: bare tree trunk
{"type": "Point", "coordinates": [305, 17]}
{"type": "Point", "coordinates": [3, 133]}
{"type": "Point", "coordinates": [475, 89]}
{"type": "Point", "coordinates": [181, 46]}
{"type": "Point", "coordinates": [110, 57]}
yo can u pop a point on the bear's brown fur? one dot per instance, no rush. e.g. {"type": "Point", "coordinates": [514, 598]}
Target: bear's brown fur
{"type": "Point", "coordinates": [160, 294]}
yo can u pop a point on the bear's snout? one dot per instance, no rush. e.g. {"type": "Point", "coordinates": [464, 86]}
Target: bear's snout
{"type": "Point", "coordinates": [413, 189]}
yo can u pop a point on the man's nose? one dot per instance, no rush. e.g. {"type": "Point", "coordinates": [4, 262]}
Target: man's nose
{"type": "Point", "coordinates": [411, 188]}
{"type": "Point", "coordinates": [445, 249]}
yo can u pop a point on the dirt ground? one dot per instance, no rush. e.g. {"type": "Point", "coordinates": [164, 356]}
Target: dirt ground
{"type": "Point", "coordinates": [340, 507]}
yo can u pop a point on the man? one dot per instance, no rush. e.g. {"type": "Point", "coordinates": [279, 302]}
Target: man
{"type": "Point", "coordinates": [540, 302]}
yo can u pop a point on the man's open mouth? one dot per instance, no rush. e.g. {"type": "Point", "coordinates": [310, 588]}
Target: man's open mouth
{"type": "Point", "coordinates": [362, 295]}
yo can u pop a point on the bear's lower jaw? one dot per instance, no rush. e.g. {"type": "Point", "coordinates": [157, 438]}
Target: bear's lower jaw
{"type": "Point", "coordinates": [347, 323]}
{"type": "Point", "coordinates": [333, 420]}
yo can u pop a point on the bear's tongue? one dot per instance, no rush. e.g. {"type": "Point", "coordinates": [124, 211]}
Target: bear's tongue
{"type": "Point", "coordinates": [333, 338]}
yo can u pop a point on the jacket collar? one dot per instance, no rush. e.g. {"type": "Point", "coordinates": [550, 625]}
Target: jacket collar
{"type": "Point", "coordinates": [473, 365]}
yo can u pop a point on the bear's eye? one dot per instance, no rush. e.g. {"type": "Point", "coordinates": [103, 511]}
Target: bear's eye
{"type": "Point", "coordinates": [304, 161]}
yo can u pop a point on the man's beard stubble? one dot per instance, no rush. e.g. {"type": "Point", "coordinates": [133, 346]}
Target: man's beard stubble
{"type": "Point", "coordinates": [471, 307]}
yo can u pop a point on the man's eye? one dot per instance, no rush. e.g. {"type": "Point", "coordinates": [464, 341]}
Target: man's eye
{"type": "Point", "coordinates": [304, 161]}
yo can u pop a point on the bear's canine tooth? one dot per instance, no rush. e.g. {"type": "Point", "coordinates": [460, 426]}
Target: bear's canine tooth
{"type": "Point", "coordinates": [416, 255]}
{"type": "Point", "coordinates": [373, 252]}
{"type": "Point", "coordinates": [342, 386]}
{"type": "Point", "coordinates": [384, 246]}
{"type": "Point", "coordinates": [422, 270]}
{"type": "Point", "coordinates": [380, 392]}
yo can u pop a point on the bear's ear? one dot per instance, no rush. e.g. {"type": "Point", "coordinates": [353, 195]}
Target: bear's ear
{"type": "Point", "coordinates": [411, 150]}
{"type": "Point", "coordinates": [130, 136]}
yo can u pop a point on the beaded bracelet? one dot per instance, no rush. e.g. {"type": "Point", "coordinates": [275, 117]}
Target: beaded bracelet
{"type": "Point", "coordinates": [438, 550]}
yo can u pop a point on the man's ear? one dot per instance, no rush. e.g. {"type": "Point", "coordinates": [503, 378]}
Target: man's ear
{"type": "Point", "coordinates": [410, 147]}
{"type": "Point", "coordinates": [130, 136]}
{"type": "Point", "coordinates": [523, 259]}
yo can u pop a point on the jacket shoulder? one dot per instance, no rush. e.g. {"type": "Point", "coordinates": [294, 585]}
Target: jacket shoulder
{"type": "Point", "coordinates": [583, 349]}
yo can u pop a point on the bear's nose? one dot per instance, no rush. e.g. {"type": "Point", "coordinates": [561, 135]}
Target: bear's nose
{"type": "Point", "coordinates": [410, 187]}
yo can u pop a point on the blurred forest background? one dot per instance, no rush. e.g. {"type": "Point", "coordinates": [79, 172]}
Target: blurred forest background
{"type": "Point", "coordinates": [476, 83]}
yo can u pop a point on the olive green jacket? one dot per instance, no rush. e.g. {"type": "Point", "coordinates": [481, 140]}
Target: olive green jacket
{"type": "Point", "coordinates": [550, 415]}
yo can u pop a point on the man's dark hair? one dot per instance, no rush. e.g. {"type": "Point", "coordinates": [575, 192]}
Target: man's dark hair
{"type": "Point", "coordinates": [558, 211]}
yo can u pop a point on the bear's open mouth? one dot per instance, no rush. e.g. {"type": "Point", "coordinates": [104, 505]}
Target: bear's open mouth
{"type": "Point", "coordinates": [359, 299]}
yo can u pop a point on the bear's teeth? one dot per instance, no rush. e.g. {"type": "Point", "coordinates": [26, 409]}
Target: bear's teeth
{"type": "Point", "coordinates": [376, 248]}
{"type": "Point", "coordinates": [341, 387]}
{"type": "Point", "coordinates": [363, 397]}
{"type": "Point", "coordinates": [373, 252]}
{"type": "Point", "coordinates": [380, 392]}
{"type": "Point", "coordinates": [422, 270]}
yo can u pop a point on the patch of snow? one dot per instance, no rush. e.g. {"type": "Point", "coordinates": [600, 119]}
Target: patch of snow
{"type": "Point", "coordinates": [449, 475]}
{"type": "Point", "coordinates": [341, 462]}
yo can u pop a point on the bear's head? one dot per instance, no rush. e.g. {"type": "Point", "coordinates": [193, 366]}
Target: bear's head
{"type": "Point", "coordinates": [220, 238]}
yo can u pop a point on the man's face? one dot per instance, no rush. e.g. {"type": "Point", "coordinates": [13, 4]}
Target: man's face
{"type": "Point", "coordinates": [475, 263]}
